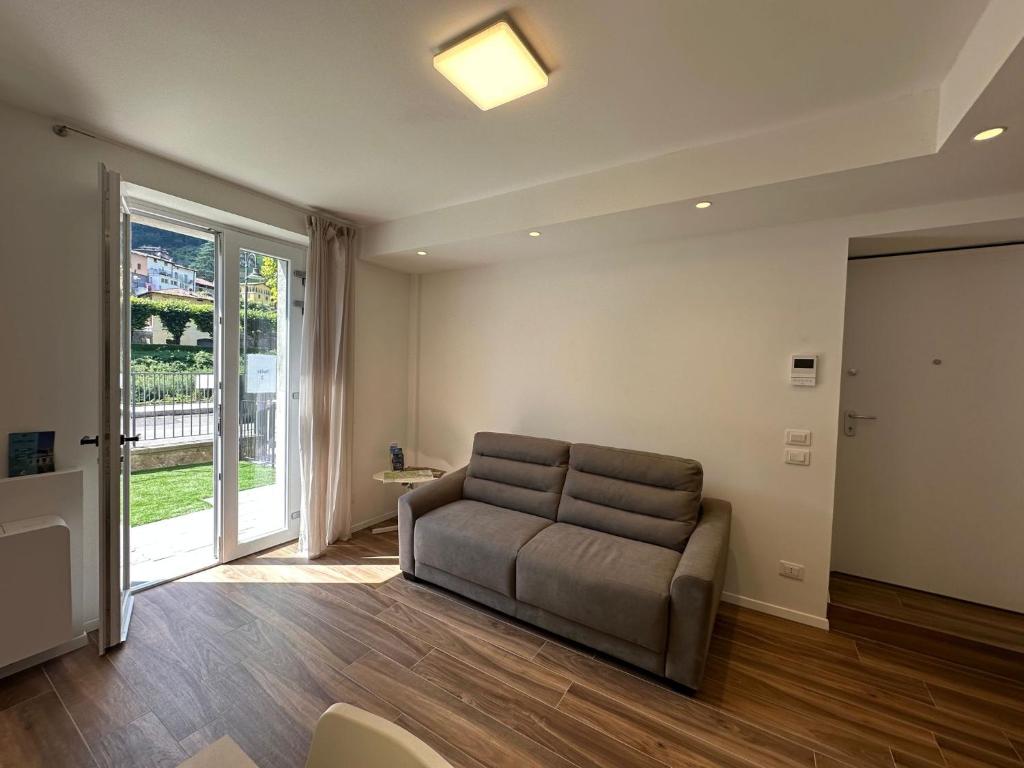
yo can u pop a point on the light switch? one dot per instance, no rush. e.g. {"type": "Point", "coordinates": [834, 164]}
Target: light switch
{"type": "Point", "coordinates": [798, 437]}
{"type": "Point", "coordinates": [798, 456]}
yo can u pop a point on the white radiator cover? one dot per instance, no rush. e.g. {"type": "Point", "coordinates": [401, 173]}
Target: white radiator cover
{"type": "Point", "coordinates": [35, 587]}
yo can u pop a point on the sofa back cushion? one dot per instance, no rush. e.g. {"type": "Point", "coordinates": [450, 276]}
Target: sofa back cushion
{"type": "Point", "coordinates": [642, 496]}
{"type": "Point", "coordinates": [521, 473]}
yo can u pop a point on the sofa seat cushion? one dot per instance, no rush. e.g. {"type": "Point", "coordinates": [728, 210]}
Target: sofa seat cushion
{"type": "Point", "coordinates": [613, 585]}
{"type": "Point", "coordinates": [475, 541]}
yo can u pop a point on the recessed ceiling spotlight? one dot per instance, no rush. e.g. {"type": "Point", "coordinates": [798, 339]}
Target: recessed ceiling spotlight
{"type": "Point", "coordinates": [990, 133]}
{"type": "Point", "coordinates": [703, 204]}
{"type": "Point", "coordinates": [535, 233]}
{"type": "Point", "coordinates": [421, 253]}
{"type": "Point", "coordinates": [492, 67]}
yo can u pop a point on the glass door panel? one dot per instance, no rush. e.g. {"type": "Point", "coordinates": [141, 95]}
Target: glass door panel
{"type": "Point", "coordinates": [263, 400]}
{"type": "Point", "coordinates": [260, 433]}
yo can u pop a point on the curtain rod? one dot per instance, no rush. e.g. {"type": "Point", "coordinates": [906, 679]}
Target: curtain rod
{"type": "Point", "coordinates": [64, 130]}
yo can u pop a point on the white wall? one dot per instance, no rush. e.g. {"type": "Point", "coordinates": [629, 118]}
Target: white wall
{"type": "Point", "coordinates": [380, 367]}
{"type": "Point", "coordinates": [679, 348]}
{"type": "Point", "coordinates": [931, 494]}
{"type": "Point", "coordinates": [49, 316]}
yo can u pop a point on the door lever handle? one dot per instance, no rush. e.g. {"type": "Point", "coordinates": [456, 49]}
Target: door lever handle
{"type": "Point", "coordinates": [133, 439]}
{"type": "Point", "coordinates": [86, 440]}
{"type": "Point", "coordinates": [850, 419]}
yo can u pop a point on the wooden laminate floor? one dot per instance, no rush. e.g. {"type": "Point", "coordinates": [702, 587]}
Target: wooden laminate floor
{"type": "Point", "coordinates": [970, 621]}
{"type": "Point", "coordinates": [259, 648]}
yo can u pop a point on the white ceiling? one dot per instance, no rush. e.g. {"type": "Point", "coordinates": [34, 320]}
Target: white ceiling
{"type": "Point", "coordinates": [962, 169]}
{"type": "Point", "coordinates": [335, 104]}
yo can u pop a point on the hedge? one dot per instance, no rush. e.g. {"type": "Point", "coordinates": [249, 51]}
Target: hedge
{"type": "Point", "coordinates": [175, 315]}
{"type": "Point", "coordinates": [163, 357]}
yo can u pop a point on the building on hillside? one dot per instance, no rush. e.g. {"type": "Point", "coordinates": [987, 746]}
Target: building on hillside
{"type": "Point", "coordinates": [204, 287]}
{"type": "Point", "coordinates": [153, 270]}
{"type": "Point", "coordinates": [139, 268]}
{"type": "Point", "coordinates": [153, 250]}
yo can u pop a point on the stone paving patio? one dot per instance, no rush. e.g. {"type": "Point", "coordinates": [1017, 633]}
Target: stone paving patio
{"type": "Point", "coordinates": [169, 548]}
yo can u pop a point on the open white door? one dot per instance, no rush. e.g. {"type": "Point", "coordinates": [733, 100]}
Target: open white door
{"type": "Point", "coordinates": [115, 341]}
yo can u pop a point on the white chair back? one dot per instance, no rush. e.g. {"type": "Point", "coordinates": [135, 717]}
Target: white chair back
{"type": "Point", "coordinates": [349, 737]}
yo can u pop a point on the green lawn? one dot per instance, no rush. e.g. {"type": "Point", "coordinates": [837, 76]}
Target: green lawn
{"type": "Point", "coordinates": [159, 494]}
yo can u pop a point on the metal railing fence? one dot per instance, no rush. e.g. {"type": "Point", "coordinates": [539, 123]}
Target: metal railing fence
{"type": "Point", "coordinates": [169, 406]}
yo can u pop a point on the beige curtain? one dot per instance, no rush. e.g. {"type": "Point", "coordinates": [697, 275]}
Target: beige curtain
{"type": "Point", "coordinates": [325, 421]}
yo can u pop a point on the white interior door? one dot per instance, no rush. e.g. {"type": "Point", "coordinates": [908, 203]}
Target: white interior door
{"type": "Point", "coordinates": [114, 439]}
{"type": "Point", "coordinates": [930, 492]}
{"type": "Point", "coordinates": [261, 336]}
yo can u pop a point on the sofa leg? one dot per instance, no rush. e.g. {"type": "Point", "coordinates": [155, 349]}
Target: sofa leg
{"type": "Point", "coordinates": [410, 577]}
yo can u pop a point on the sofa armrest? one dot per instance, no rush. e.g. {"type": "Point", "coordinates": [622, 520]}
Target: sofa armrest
{"type": "Point", "coordinates": [417, 503]}
{"type": "Point", "coordinates": [695, 591]}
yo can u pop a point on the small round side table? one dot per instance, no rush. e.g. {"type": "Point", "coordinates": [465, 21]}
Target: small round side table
{"type": "Point", "coordinates": [409, 483]}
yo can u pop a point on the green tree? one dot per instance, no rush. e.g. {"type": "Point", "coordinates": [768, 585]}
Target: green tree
{"type": "Point", "coordinates": [142, 310]}
{"type": "Point", "coordinates": [260, 321]}
{"type": "Point", "coordinates": [175, 316]}
{"type": "Point", "coordinates": [260, 325]}
{"type": "Point", "coordinates": [268, 271]}
{"type": "Point", "coordinates": [198, 257]}
{"type": "Point", "coordinates": [202, 316]}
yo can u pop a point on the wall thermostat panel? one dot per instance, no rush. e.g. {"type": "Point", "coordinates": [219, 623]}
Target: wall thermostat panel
{"type": "Point", "coordinates": [803, 370]}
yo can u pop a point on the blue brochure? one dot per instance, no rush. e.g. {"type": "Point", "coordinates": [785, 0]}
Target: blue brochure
{"type": "Point", "coordinates": [29, 453]}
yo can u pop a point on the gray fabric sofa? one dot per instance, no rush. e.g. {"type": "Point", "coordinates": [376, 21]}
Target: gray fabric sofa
{"type": "Point", "coordinates": [611, 548]}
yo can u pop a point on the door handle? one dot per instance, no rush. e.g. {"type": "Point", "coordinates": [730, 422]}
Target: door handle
{"type": "Point", "coordinates": [133, 439]}
{"type": "Point", "coordinates": [850, 419]}
{"type": "Point", "coordinates": [86, 440]}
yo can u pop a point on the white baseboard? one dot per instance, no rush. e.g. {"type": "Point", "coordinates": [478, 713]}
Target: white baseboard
{"type": "Point", "coordinates": [59, 650]}
{"type": "Point", "coordinates": [776, 610]}
{"type": "Point", "coordinates": [373, 521]}
{"type": "Point", "coordinates": [91, 625]}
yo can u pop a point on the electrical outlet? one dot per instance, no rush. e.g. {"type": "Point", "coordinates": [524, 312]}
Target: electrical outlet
{"type": "Point", "coordinates": [791, 570]}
